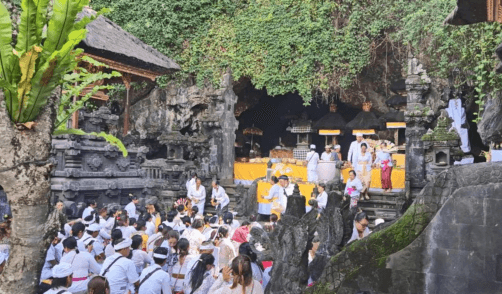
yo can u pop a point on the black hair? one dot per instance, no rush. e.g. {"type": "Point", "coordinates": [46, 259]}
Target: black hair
{"type": "Point", "coordinates": [91, 202]}
{"type": "Point", "coordinates": [183, 246]}
{"type": "Point", "coordinates": [323, 185]}
{"type": "Point", "coordinates": [216, 182]}
{"type": "Point", "coordinates": [195, 209]}
{"type": "Point", "coordinates": [136, 241]}
{"type": "Point", "coordinates": [111, 212]}
{"type": "Point", "coordinates": [198, 223]}
{"type": "Point", "coordinates": [194, 174]}
{"type": "Point", "coordinates": [186, 219]}
{"type": "Point", "coordinates": [140, 224]}
{"type": "Point", "coordinates": [360, 216]}
{"type": "Point", "coordinates": [159, 250]}
{"type": "Point", "coordinates": [274, 218]}
{"type": "Point", "coordinates": [364, 144]}
{"type": "Point", "coordinates": [70, 243]}
{"type": "Point", "coordinates": [171, 215]}
{"type": "Point", "coordinates": [180, 208]}
{"type": "Point", "coordinates": [147, 216]}
{"type": "Point", "coordinates": [252, 218]}
{"type": "Point", "coordinates": [228, 217]}
{"type": "Point", "coordinates": [90, 232]}
{"type": "Point", "coordinates": [245, 249]}
{"type": "Point", "coordinates": [134, 197]}
{"type": "Point", "coordinates": [275, 179]}
{"type": "Point", "coordinates": [90, 243]}
{"type": "Point", "coordinates": [132, 221]}
{"type": "Point", "coordinates": [116, 234]}
{"type": "Point", "coordinates": [199, 270]}
{"type": "Point", "coordinates": [207, 219]}
{"type": "Point", "coordinates": [59, 282]}
{"type": "Point", "coordinates": [161, 227]}
{"type": "Point", "coordinates": [245, 223]}
{"type": "Point", "coordinates": [93, 216]}
{"type": "Point", "coordinates": [353, 171]}
{"type": "Point", "coordinates": [77, 228]}
{"type": "Point", "coordinates": [173, 234]}
{"type": "Point", "coordinates": [222, 232]}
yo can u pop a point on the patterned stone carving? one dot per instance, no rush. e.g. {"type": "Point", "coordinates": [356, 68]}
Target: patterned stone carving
{"type": "Point", "coordinates": [94, 162]}
{"type": "Point", "coordinates": [123, 163]}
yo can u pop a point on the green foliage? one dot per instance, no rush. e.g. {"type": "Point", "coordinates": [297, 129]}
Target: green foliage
{"type": "Point", "coordinates": [306, 46]}
{"type": "Point", "coordinates": [112, 140]}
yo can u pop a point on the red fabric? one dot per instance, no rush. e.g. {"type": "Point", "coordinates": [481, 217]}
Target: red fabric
{"type": "Point", "coordinates": [386, 180]}
{"type": "Point", "coordinates": [267, 264]}
{"type": "Point", "coordinates": [79, 279]}
{"type": "Point", "coordinates": [241, 234]}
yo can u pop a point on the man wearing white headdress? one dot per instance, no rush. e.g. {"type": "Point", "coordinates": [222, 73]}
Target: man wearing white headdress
{"type": "Point", "coordinates": [312, 160]}
{"type": "Point", "coordinates": [338, 152]}
{"type": "Point", "coordinates": [153, 279]}
{"type": "Point", "coordinates": [118, 269]}
{"type": "Point", "coordinates": [62, 275]}
{"type": "Point", "coordinates": [355, 149]}
{"type": "Point", "coordinates": [327, 155]}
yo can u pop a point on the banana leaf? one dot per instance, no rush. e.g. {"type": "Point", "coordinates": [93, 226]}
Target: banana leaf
{"type": "Point", "coordinates": [62, 22]}
{"type": "Point", "coordinates": [27, 36]}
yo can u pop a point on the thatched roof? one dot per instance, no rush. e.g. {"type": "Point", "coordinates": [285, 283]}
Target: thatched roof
{"type": "Point", "coordinates": [331, 121]}
{"type": "Point", "coordinates": [364, 120]}
{"type": "Point", "coordinates": [108, 40]}
{"type": "Point", "coordinates": [396, 100]}
{"type": "Point", "coordinates": [398, 86]}
{"type": "Point", "coordinates": [393, 116]}
{"type": "Point", "coordinates": [468, 12]}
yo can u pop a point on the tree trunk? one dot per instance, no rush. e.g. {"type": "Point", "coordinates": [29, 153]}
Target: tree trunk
{"type": "Point", "coordinates": [27, 186]}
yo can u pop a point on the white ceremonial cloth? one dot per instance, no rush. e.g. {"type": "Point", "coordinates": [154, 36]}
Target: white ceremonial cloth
{"type": "Point", "coordinates": [312, 161]}
{"type": "Point", "coordinates": [200, 196]}
{"type": "Point", "coordinates": [82, 264]}
{"type": "Point", "coordinates": [220, 196]}
{"type": "Point", "coordinates": [457, 113]}
{"type": "Point", "coordinates": [131, 210]}
{"type": "Point", "coordinates": [159, 281]}
{"type": "Point", "coordinates": [121, 274]}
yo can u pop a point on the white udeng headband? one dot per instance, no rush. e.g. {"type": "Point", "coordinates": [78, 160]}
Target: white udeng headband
{"type": "Point", "coordinates": [161, 256]}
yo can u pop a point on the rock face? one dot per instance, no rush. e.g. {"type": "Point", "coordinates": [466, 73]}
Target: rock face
{"type": "Point", "coordinates": [447, 242]}
{"type": "Point", "coordinates": [490, 126]}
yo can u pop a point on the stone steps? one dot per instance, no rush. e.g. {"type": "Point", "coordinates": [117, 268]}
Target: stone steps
{"type": "Point", "coordinates": [381, 205]}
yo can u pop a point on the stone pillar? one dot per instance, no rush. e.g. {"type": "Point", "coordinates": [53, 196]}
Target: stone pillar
{"type": "Point", "coordinates": [228, 126]}
{"type": "Point", "coordinates": [416, 117]}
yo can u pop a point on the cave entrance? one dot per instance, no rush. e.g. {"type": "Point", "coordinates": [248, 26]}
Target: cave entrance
{"type": "Point", "coordinates": [274, 116]}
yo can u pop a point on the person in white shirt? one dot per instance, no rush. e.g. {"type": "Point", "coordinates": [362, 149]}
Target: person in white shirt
{"type": "Point", "coordinates": [322, 198]}
{"type": "Point", "coordinates": [273, 195]}
{"type": "Point", "coordinates": [355, 149]}
{"type": "Point", "coordinates": [77, 231]}
{"type": "Point", "coordinates": [131, 207]}
{"type": "Point", "coordinates": [180, 269]}
{"type": "Point", "coordinates": [327, 155]}
{"type": "Point", "coordinates": [51, 259]}
{"type": "Point", "coordinates": [139, 257]}
{"type": "Point", "coordinates": [286, 190]}
{"type": "Point", "coordinates": [312, 160]}
{"type": "Point", "coordinates": [201, 275]}
{"type": "Point", "coordinates": [191, 183]}
{"type": "Point", "coordinates": [360, 229]}
{"type": "Point", "coordinates": [219, 198]}
{"type": "Point", "coordinates": [82, 264]}
{"type": "Point", "coordinates": [150, 225]}
{"type": "Point", "coordinates": [118, 269]}
{"type": "Point", "coordinates": [92, 232]}
{"type": "Point", "coordinates": [363, 169]}
{"type": "Point", "coordinates": [89, 209]}
{"type": "Point", "coordinates": [62, 279]}
{"type": "Point", "coordinates": [153, 279]}
{"type": "Point", "coordinates": [384, 161]}
{"type": "Point", "coordinates": [194, 236]}
{"type": "Point", "coordinates": [197, 195]}
{"type": "Point", "coordinates": [353, 189]}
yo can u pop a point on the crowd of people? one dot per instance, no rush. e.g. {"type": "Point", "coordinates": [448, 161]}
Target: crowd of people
{"type": "Point", "coordinates": [121, 251]}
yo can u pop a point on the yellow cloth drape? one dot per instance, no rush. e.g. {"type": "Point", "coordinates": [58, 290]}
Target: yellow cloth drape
{"type": "Point", "coordinates": [252, 171]}
{"type": "Point", "coordinates": [397, 178]}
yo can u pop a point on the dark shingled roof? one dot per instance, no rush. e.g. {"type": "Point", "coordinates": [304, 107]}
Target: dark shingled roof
{"type": "Point", "coordinates": [393, 116]}
{"type": "Point", "coordinates": [399, 85]}
{"type": "Point", "coordinates": [331, 121]}
{"type": "Point", "coordinates": [107, 39]}
{"type": "Point", "coordinates": [365, 120]}
{"type": "Point", "coordinates": [468, 12]}
{"type": "Point", "coordinates": [396, 100]}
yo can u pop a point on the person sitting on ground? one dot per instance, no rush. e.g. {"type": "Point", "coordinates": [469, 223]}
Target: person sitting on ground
{"type": "Point", "coordinates": [98, 285]}
{"type": "Point", "coordinates": [172, 250]}
{"type": "Point", "coordinates": [139, 257]}
{"type": "Point", "coordinates": [150, 226]}
{"type": "Point", "coordinates": [118, 269]}
{"type": "Point", "coordinates": [180, 269]}
{"type": "Point", "coordinates": [153, 279]}
{"type": "Point", "coordinates": [257, 267]}
{"type": "Point", "coordinates": [123, 224]}
{"type": "Point", "coordinates": [242, 276]}
{"type": "Point", "coordinates": [201, 278]}
{"type": "Point", "coordinates": [109, 250]}
{"type": "Point", "coordinates": [62, 275]}
{"type": "Point", "coordinates": [140, 231]}
{"type": "Point", "coordinates": [193, 212]}
{"type": "Point", "coordinates": [92, 204]}
{"type": "Point", "coordinates": [360, 229]}
{"type": "Point", "coordinates": [227, 250]}
{"type": "Point", "coordinates": [92, 232]}
{"type": "Point", "coordinates": [195, 236]}
{"type": "Point", "coordinates": [241, 234]}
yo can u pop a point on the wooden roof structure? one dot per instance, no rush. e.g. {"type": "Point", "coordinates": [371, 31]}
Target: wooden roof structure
{"type": "Point", "coordinates": [474, 11]}
{"type": "Point", "coordinates": [108, 43]}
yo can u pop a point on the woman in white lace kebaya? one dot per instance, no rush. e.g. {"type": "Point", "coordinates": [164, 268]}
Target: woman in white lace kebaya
{"type": "Point", "coordinates": [201, 278]}
{"type": "Point", "coordinates": [242, 282]}
{"type": "Point", "coordinates": [227, 250]}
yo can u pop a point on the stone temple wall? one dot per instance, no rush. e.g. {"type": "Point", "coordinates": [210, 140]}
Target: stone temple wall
{"type": "Point", "coordinates": [447, 242]}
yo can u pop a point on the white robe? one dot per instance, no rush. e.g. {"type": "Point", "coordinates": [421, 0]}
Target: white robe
{"type": "Point", "coordinates": [328, 157]}
{"type": "Point", "coordinates": [354, 151]}
{"type": "Point", "coordinates": [273, 194]}
{"type": "Point", "coordinates": [189, 185]}
{"type": "Point", "coordinates": [199, 195]}
{"type": "Point", "coordinates": [457, 113]}
{"type": "Point", "coordinates": [354, 183]}
{"type": "Point", "coordinates": [312, 159]}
